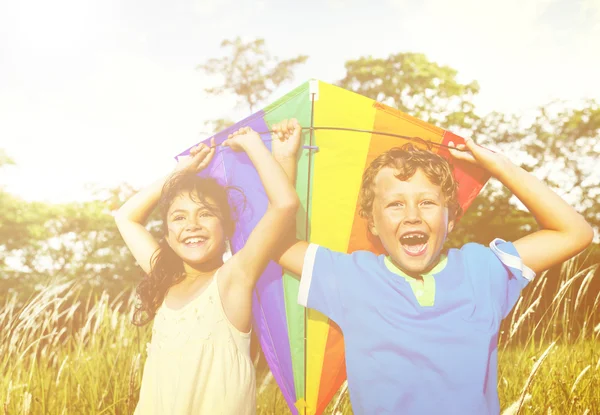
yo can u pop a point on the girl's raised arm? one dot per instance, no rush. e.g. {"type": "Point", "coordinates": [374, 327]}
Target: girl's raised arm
{"type": "Point", "coordinates": [132, 216]}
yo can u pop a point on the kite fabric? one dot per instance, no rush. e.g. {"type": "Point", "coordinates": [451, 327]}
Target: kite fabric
{"type": "Point", "coordinates": [304, 350]}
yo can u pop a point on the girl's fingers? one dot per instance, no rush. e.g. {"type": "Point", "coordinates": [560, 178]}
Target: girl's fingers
{"type": "Point", "coordinates": [206, 161]}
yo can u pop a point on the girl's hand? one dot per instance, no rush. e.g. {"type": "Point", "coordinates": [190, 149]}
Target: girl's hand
{"type": "Point", "coordinates": [287, 137]}
{"type": "Point", "coordinates": [479, 156]}
{"type": "Point", "coordinates": [200, 156]}
{"type": "Point", "coordinates": [242, 139]}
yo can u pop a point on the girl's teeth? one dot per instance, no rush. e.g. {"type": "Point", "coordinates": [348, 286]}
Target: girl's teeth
{"type": "Point", "coordinates": [194, 240]}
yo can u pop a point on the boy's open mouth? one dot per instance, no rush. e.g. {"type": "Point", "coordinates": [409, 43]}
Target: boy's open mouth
{"type": "Point", "coordinates": [414, 243]}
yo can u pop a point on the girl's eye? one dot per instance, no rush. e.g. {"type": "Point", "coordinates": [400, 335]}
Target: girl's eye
{"type": "Point", "coordinates": [428, 202]}
{"type": "Point", "coordinates": [205, 214]}
{"type": "Point", "coordinates": [176, 218]}
{"type": "Point", "coordinates": [396, 204]}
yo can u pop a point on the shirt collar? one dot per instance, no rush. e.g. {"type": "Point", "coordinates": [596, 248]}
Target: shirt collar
{"type": "Point", "coordinates": [435, 270]}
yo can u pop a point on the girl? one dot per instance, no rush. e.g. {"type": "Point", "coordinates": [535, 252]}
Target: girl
{"type": "Point", "coordinates": [199, 357]}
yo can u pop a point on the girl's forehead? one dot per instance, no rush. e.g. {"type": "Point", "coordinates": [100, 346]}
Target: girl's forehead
{"type": "Point", "coordinates": [190, 200]}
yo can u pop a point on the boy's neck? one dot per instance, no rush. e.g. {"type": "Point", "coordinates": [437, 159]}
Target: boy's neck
{"type": "Point", "coordinates": [440, 263]}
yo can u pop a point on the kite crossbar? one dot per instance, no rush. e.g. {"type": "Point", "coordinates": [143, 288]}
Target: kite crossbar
{"type": "Point", "coordinates": [427, 143]}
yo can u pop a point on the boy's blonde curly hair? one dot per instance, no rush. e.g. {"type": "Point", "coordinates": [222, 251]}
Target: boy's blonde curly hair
{"type": "Point", "coordinates": [406, 160]}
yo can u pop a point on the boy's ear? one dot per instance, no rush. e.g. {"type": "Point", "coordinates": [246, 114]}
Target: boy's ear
{"type": "Point", "coordinates": [450, 226]}
{"type": "Point", "coordinates": [372, 228]}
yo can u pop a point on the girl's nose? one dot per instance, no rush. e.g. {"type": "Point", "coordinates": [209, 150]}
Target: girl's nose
{"type": "Point", "coordinates": [193, 224]}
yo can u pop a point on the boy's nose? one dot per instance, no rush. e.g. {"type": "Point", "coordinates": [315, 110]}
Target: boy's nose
{"type": "Point", "coordinates": [413, 215]}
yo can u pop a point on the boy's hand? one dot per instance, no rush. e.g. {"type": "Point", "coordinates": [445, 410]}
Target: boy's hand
{"type": "Point", "coordinates": [480, 156]}
{"type": "Point", "coordinates": [242, 139]}
{"type": "Point", "coordinates": [287, 137]}
{"type": "Point", "coordinates": [200, 156]}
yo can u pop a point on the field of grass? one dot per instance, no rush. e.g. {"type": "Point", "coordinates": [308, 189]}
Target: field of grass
{"type": "Point", "coordinates": [64, 353]}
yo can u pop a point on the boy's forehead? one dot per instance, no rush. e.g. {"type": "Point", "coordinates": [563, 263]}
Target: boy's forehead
{"type": "Point", "coordinates": [387, 181]}
{"type": "Point", "coordinates": [389, 176]}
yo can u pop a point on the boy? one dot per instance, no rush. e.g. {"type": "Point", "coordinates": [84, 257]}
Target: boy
{"type": "Point", "coordinates": [421, 325]}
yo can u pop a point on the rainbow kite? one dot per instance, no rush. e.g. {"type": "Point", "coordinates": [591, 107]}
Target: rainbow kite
{"type": "Point", "coordinates": [346, 131]}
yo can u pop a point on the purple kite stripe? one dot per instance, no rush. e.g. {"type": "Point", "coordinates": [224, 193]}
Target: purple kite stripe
{"type": "Point", "coordinates": [241, 172]}
{"type": "Point", "coordinates": [235, 169]}
{"type": "Point", "coordinates": [274, 333]}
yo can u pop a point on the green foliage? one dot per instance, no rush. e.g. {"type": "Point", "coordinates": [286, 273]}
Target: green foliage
{"type": "Point", "coordinates": [415, 85]}
{"type": "Point", "coordinates": [249, 71]}
{"type": "Point", "coordinates": [5, 159]}
{"type": "Point", "coordinates": [560, 146]}
{"type": "Point", "coordinates": [44, 243]}
{"type": "Point", "coordinates": [66, 352]}
{"type": "Point", "coordinates": [219, 124]}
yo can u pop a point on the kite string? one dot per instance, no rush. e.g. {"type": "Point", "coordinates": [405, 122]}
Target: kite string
{"type": "Point", "coordinates": [428, 143]}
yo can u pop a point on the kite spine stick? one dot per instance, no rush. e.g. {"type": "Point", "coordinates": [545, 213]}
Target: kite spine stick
{"type": "Point", "coordinates": [313, 90]}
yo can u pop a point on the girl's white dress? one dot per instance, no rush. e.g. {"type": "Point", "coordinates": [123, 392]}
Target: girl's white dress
{"type": "Point", "coordinates": [198, 362]}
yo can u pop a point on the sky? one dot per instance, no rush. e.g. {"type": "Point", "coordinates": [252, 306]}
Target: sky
{"type": "Point", "coordinates": [106, 92]}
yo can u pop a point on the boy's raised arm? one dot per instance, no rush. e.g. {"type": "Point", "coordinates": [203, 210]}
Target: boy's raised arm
{"type": "Point", "coordinates": [564, 233]}
{"type": "Point", "coordinates": [286, 144]}
{"type": "Point", "coordinates": [264, 241]}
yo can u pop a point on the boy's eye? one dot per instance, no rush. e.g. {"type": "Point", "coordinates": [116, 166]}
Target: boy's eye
{"type": "Point", "coordinates": [396, 204]}
{"type": "Point", "coordinates": [428, 202]}
{"type": "Point", "coordinates": [205, 214]}
{"type": "Point", "coordinates": [176, 218]}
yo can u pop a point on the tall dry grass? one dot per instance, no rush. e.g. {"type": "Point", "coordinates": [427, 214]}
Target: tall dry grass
{"type": "Point", "coordinates": [65, 353]}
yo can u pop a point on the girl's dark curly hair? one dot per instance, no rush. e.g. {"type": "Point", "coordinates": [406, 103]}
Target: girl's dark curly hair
{"type": "Point", "coordinates": [406, 160]}
{"type": "Point", "coordinates": [166, 266]}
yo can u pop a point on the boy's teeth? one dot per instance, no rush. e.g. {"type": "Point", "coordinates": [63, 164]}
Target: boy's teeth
{"type": "Point", "coordinates": [414, 238]}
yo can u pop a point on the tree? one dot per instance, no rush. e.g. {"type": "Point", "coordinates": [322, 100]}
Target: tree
{"type": "Point", "coordinates": [219, 124]}
{"type": "Point", "coordinates": [560, 146]}
{"type": "Point", "coordinates": [415, 85]}
{"type": "Point", "coordinates": [249, 71]}
{"type": "Point", "coordinates": [5, 159]}
{"type": "Point", "coordinates": [44, 243]}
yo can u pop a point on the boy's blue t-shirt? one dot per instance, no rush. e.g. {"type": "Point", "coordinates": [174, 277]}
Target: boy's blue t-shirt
{"type": "Point", "coordinates": [404, 358]}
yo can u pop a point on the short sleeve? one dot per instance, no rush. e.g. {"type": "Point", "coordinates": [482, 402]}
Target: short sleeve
{"type": "Point", "coordinates": [320, 283]}
{"type": "Point", "coordinates": [509, 274]}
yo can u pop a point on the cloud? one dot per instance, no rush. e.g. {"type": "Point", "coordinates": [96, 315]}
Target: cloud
{"type": "Point", "coordinates": [124, 122]}
{"type": "Point", "coordinates": [208, 7]}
